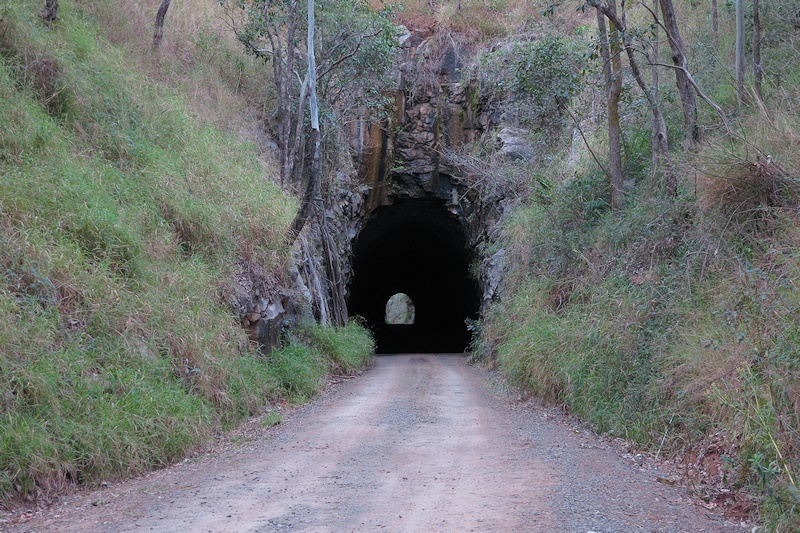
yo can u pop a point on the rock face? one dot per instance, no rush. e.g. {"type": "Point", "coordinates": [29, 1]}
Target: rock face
{"type": "Point", "coordinates": [407, 156]}
{"type": "Point", "coordinates": [259, 302]}
{"type": "Point", "coordinates": [514, 144]}
{"type": "Point", "coordinates": [434, 111]}
{"type": "Point", "coordinates": [437, 111]}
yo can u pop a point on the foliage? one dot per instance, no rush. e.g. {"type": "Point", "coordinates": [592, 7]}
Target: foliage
{"type": "Point", "coordinates": [315, 351]}
{"type": "Point", "coordinates": [359, 83]}
{"type": "Point", "coordinates": [535, 80]}
{"type": "Point", "coordinates": [673, 322]}
{"type": "Point", "coordinates": [355, 50]}
{"type": "Point", "coordinates": [633, 324]}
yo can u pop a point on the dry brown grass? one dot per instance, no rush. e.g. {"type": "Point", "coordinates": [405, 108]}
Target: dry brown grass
{"type": "Point", "coordinates": [484, 20]}
{"type": "Point", "coordinates": [742, 189]}
{"type": "Point", "coordinates": [200, 57]}
{"type": "Point", "coordinates": [754, 175]}
{"type": "Point", "coordinates": [704, 357]}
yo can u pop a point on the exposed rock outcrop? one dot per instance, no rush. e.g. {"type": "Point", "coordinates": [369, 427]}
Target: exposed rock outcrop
{"type": "Point", "coordinates": [259, 301]}
{"type": "Point", "coordinates": [439, 111]}
{"type": "Point", "coordinates": [408, 155]}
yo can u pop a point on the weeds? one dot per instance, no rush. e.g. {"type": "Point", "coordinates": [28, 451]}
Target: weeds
{"type": "Point", "coordinates": [317, 351]}
{"type": "Point", "coordinates": [673, 321]}
{"type": "Point", "coordinates": [122, 216]}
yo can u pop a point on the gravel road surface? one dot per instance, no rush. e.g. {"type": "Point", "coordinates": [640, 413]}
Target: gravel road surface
{"type": "Point", "coordinates": [417, 443]}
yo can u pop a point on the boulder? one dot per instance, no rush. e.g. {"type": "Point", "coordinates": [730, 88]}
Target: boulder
{"type": "Point", "coordinates": [514, 144]}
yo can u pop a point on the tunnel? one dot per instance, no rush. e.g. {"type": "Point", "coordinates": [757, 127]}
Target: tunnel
{"type": "Point", "coordinates": [414, 247]}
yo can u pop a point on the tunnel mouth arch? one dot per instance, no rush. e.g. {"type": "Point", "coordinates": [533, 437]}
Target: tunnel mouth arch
{"type": "Point", "coordinates": [416, 247]}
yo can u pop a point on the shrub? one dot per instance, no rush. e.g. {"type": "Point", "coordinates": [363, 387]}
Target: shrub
{"type": "Point", "coordinates": [534, 80]}
{"type": "Point", "coordinates": [301, 365]}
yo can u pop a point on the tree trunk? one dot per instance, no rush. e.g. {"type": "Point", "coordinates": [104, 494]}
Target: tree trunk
{"type": "Point", "coordinates": [662, 145]}
{"type": "Point", "coordinates": [610, 44]}
{"type": "Point", "coordinates": [715, 24]}
{"type": "Point", "coordinates": [685, 89]}
{"type": "Point", "coordinates": [281, 57]}
{"type": "Point", "coordinates": [758, 72]}
{"type": "Point", "coordinates": [739, 49]}
{"type": "Point", "coordinates": [285, 100]}
{"type": "Point", "coordinates": [311, 195]}
{"type": "Point", "coordinates": [50, 11]}
{"type": "Point", "coordinates": [297, 153]}
{"type": "Point", "coordinates": [655, 162]}
{"type": "Point", "coordinates": [158, 34]}
{"type": "Point", "coordinates": [333, 265]}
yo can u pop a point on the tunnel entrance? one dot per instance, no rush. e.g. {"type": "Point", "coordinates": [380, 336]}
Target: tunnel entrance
{"type": "Point", "coordinates": [417, 248]}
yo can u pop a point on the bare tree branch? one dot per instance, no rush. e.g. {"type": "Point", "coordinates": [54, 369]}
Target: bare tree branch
{"type": "Point", "coordinates": [348, 56]}
{"type": "Point", "coordinates": [700, 93]}
{"type": "Point", "coordinates": [158, 33]}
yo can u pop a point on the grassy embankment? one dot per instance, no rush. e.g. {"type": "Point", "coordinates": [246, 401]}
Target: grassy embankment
{"type": "Point", "coordinates": [129, 187]}
{"type": "Point", "coordinates": [672, 322]}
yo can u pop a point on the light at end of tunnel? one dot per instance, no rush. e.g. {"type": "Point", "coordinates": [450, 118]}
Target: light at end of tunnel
{"type": "Point", "coordinates": [399, 310]}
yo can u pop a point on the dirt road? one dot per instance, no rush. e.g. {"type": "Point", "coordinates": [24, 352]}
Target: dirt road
{"type": "Point", "coordinates": [418, 443]}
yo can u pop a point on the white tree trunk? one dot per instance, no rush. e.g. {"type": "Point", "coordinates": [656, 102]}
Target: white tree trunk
{"type": "Point", "coordinates": [310, 196]}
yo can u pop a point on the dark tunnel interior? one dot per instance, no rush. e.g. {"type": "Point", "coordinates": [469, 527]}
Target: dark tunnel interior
{"type": "Point", "coordinates": [416, 247]}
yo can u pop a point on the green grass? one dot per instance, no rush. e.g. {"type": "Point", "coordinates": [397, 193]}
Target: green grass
{"type": "Point", "coordinates": [122, 217]}
{"type": "Point", "coordinates": [634, 322]}
{"type": "Point", "coordinates": [671, 322]}
{"type": "Point", "coordinates": [316, 351]}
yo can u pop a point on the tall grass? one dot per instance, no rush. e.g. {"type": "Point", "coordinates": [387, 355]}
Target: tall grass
{"type": "Point", "coordinates": [125, 202]}
{"type": "Point", "coordinates": [662, 327]}
{"type": "Point", "coordinates": [673, 322]}
{"type": "Point", "coordinates": [315, 352]}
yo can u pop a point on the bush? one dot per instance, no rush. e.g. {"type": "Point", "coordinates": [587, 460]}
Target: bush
{"type": "Point", "coordinates": [301, 366]}
{"type": "Point", "coordinates": [666, 322]}
{"type": "Point", "coordinates": [534, 80]}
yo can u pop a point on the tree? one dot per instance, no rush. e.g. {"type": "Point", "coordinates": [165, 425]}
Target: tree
{"type": "Point", "coordinates": [310, 198]}
{"type": "Point", "coordinates": [50, 11]}
{"type": "Point", "coordinates": [618, 20]}
{"type": "Point", "coordinates": [685, 89]}
{"type": "Point", "coordinates": [277, 23]}
{"type": "Point", "coordinates": [655, 161]}
{"type": "Point", "coordinates": [158, 34]}
{"type": "Point", "coordinates": [534, 81]}
{"type": "Point", "coordinates": [612, 73]}
{"type": "Point", "coordinates": [348, 33]}
{"type": "Point", "coordinates": [739, 52]}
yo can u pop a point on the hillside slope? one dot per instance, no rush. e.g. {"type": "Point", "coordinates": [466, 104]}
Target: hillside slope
{"type": "Point", "coordinates": [672, 320]}
{"type": "Point", "coordinates": [132, 193]}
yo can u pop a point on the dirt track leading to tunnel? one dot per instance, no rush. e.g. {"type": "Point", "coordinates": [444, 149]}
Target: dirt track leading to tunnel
{"type": "Point", "coordinates": [418, 443]}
